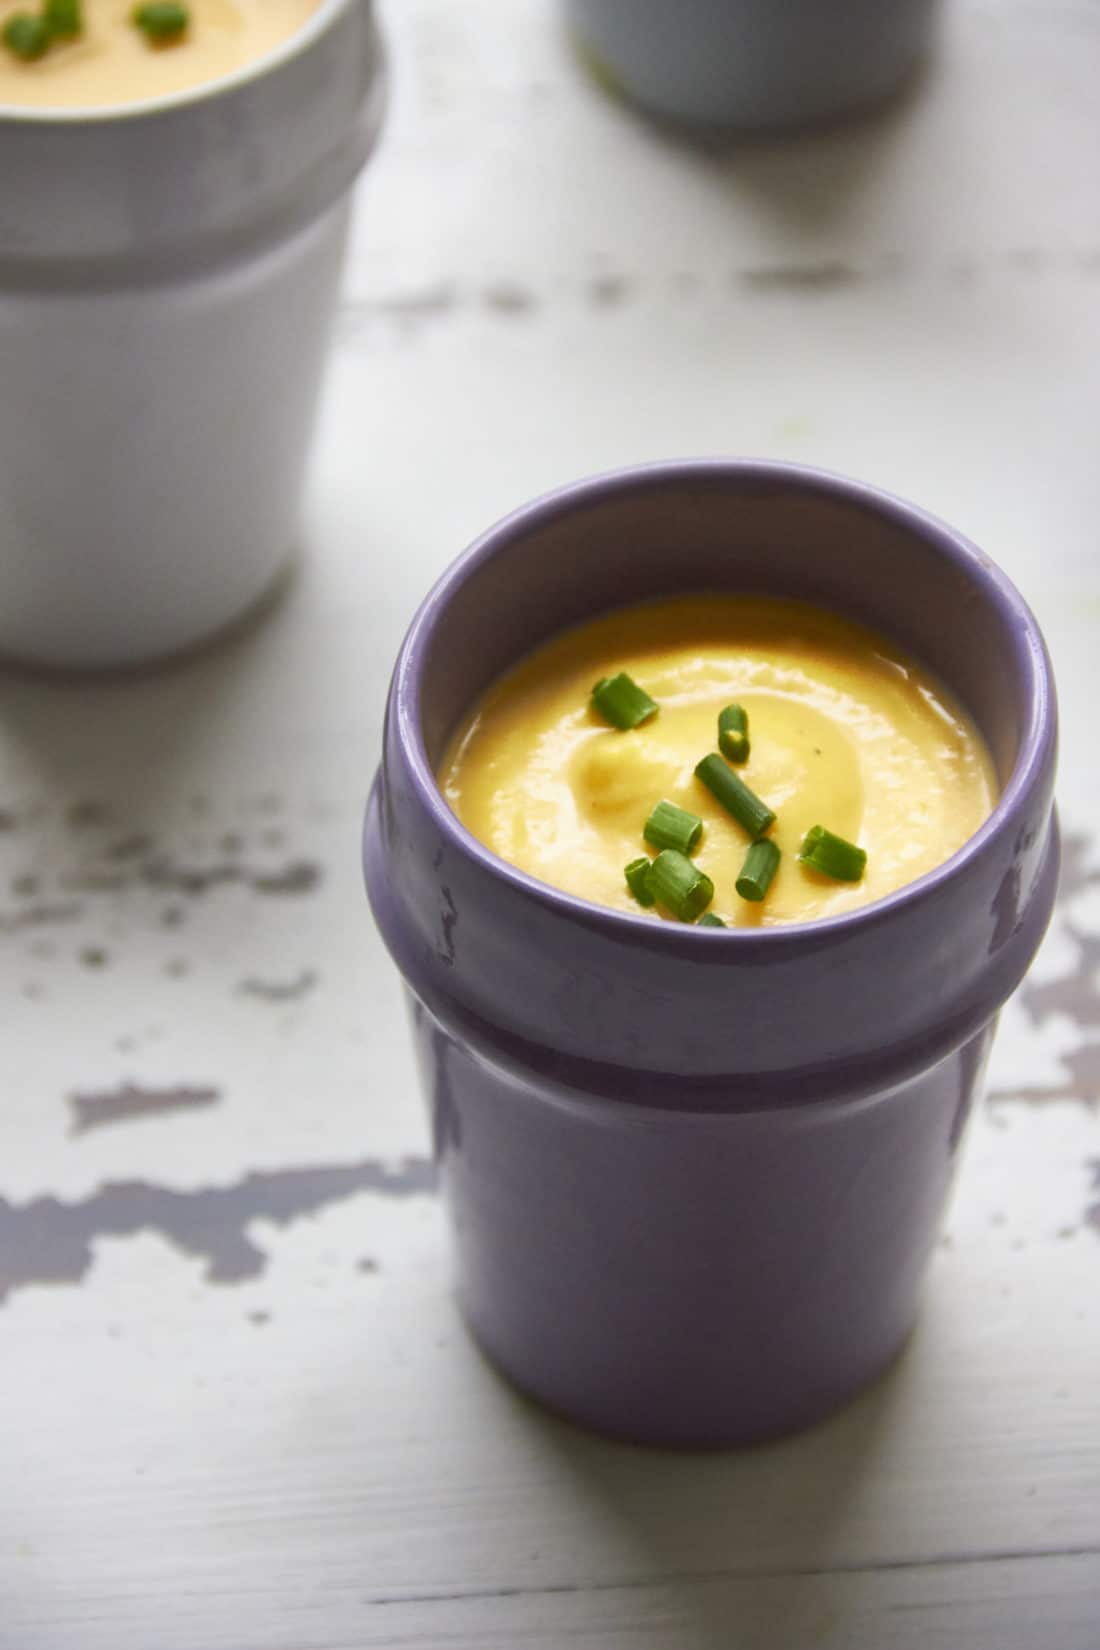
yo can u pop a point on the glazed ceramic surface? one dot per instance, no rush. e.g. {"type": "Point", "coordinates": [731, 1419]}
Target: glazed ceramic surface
{"type": "Point", "coordinates": [753, 63]}
{"type": "Point", "coordinates": [694, 1175]}
{"type": "Point", "coordinates": [168, 271]}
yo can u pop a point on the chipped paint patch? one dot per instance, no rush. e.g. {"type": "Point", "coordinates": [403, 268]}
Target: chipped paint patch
{"type": "Point", "coordinates": [1071, 996]}
{"type": "Point", "coordinates": [85, 815]}
{"type": "Point", "coordinates": [810, 278]}
{"type": "Point", "coordinates": [39, 916]}
{"type": "Point", "coordinates": [1078, 873]}
{"type": "Point", "coordinates": [48, 1241]}
{"type": "Point", "coordinates": [507, 298]}
{"type": "Point", "coordinates": [1092, 1213]}
{"type": "Point", "coordinates": [830, 275]}
{"type": "Point", "coordinates": [299, 876]}
{"type": "Point", "coordinates": [130, 859]}
{"type": "Point", "coordinates": [412, 306]}
{"type": "Point", "coordinates": [1074, 993]}
{"type": "Point", "coordinates": [95, 879]}
{"type": "Point", "coordinates": [134, 846]}
{"type": "Point", "coordinates": [279, 991]}
{"type": "Point", "coordinates": [131, 1100]}
{"type": "Point", "coordinates": [605, 291]}
{"type": "Point", "coordinates": [1082, 1081]}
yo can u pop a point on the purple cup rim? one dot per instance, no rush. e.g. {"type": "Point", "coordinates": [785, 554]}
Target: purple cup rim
{"type": "Point", "coordinates": [1030, 660]}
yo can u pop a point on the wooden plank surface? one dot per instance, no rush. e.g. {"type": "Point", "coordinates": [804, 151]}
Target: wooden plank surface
{"type": "Point", "coordinates": [239, 1410]}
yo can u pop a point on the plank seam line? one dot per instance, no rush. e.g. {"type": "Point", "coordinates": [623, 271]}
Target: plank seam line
{"type": "Point", "coordinates": [797, 1573]}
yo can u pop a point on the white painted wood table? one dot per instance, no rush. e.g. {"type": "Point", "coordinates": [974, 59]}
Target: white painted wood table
{"type": "Point", "coordinates": [238, 1411]}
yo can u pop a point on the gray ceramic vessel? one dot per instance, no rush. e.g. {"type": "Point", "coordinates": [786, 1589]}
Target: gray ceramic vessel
{"type": "Point", "coordinates": [753, 64]}
{"type": "Point", "coordinates": [695, 1175]}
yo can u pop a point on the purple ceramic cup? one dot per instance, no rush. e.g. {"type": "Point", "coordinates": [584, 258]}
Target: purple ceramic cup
{"type": "Point", "coordinates": [695, 1175]}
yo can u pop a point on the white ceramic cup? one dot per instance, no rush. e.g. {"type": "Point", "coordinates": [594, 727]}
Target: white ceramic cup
{"type": "Point", "coordinates": [168, 271]}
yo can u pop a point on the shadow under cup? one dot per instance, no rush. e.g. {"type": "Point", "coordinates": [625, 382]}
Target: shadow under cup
{"type": "Point", "coordinates": [695, 1175]}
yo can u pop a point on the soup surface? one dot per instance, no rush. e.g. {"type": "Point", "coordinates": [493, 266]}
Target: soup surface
{"type": "Point", "coordinates": [846, 732]}
{"type": "Point", "coordinates": [112, 62]}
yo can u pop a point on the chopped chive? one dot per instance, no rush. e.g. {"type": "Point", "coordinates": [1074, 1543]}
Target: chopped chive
{"type": "Point", "coordinates": [733, 733]}
{"type": "Point", "coordinates": [832, 855]}
{"type": "Point", "coordinates": [761, 864]}
{"type": "Point", "coordinates": [622, 702]}
{"type": "Point", "coordinates": [709, 920]}
{"type": "Point", "coordinates": [63, 18]}
{"type": "Point", "coordinates": [680, 886]}
{"type": "Point", "coordinates": [671, 827]}
{"type": "Point", "coordinates": [734, 795]}
{"type": "Point", "coordinates": [26, 36]}
{"type": "Point", "coordinates": [639, 879]}
{"type": "Point", "coordinates": [161, 20]}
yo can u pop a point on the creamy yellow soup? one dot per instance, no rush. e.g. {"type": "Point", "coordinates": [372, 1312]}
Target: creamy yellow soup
{"type": "Point", "coordinates": [111, 62]}
{"type": "Point", "coordinates": [846, 732]}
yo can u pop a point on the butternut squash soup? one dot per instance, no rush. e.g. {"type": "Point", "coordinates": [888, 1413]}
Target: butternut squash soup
{"type": "Point", "coordinates": [730, 760]}
{"type": "Point", "coordinates": [61, 55]}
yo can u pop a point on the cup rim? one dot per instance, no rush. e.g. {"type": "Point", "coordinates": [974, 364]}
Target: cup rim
{"type": "Point", "coordinates": [1030, 661]}
{"type": "Point", "coordinates": [205, 90]}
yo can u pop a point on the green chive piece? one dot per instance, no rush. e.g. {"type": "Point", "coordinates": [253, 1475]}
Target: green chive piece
{"type": "Point", "coordinates": [622, 702]}
{"type": "Point", "coordinates": [761, 864]}
{"type": "Point", "coordinates": [64, 18]}
{"type": "Point", "coordinates": [709, 920]}
{"type": "Point", "coordinates": [680, 886]}
{"type": "Point", "coordinates": [832, 855]}
{"type": "Point", "coordinates": [671, 827]}
{"type": "Point", "coordinates": [639, 879]}
{"type": "Point", "coordinates": [734, 795]}
{"type": "Point", "coordinates": [27, 36]}
{"type": "Point", "coordinates": [733, 733]}
{"type": "Point", "coordinates": [161, 19]}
